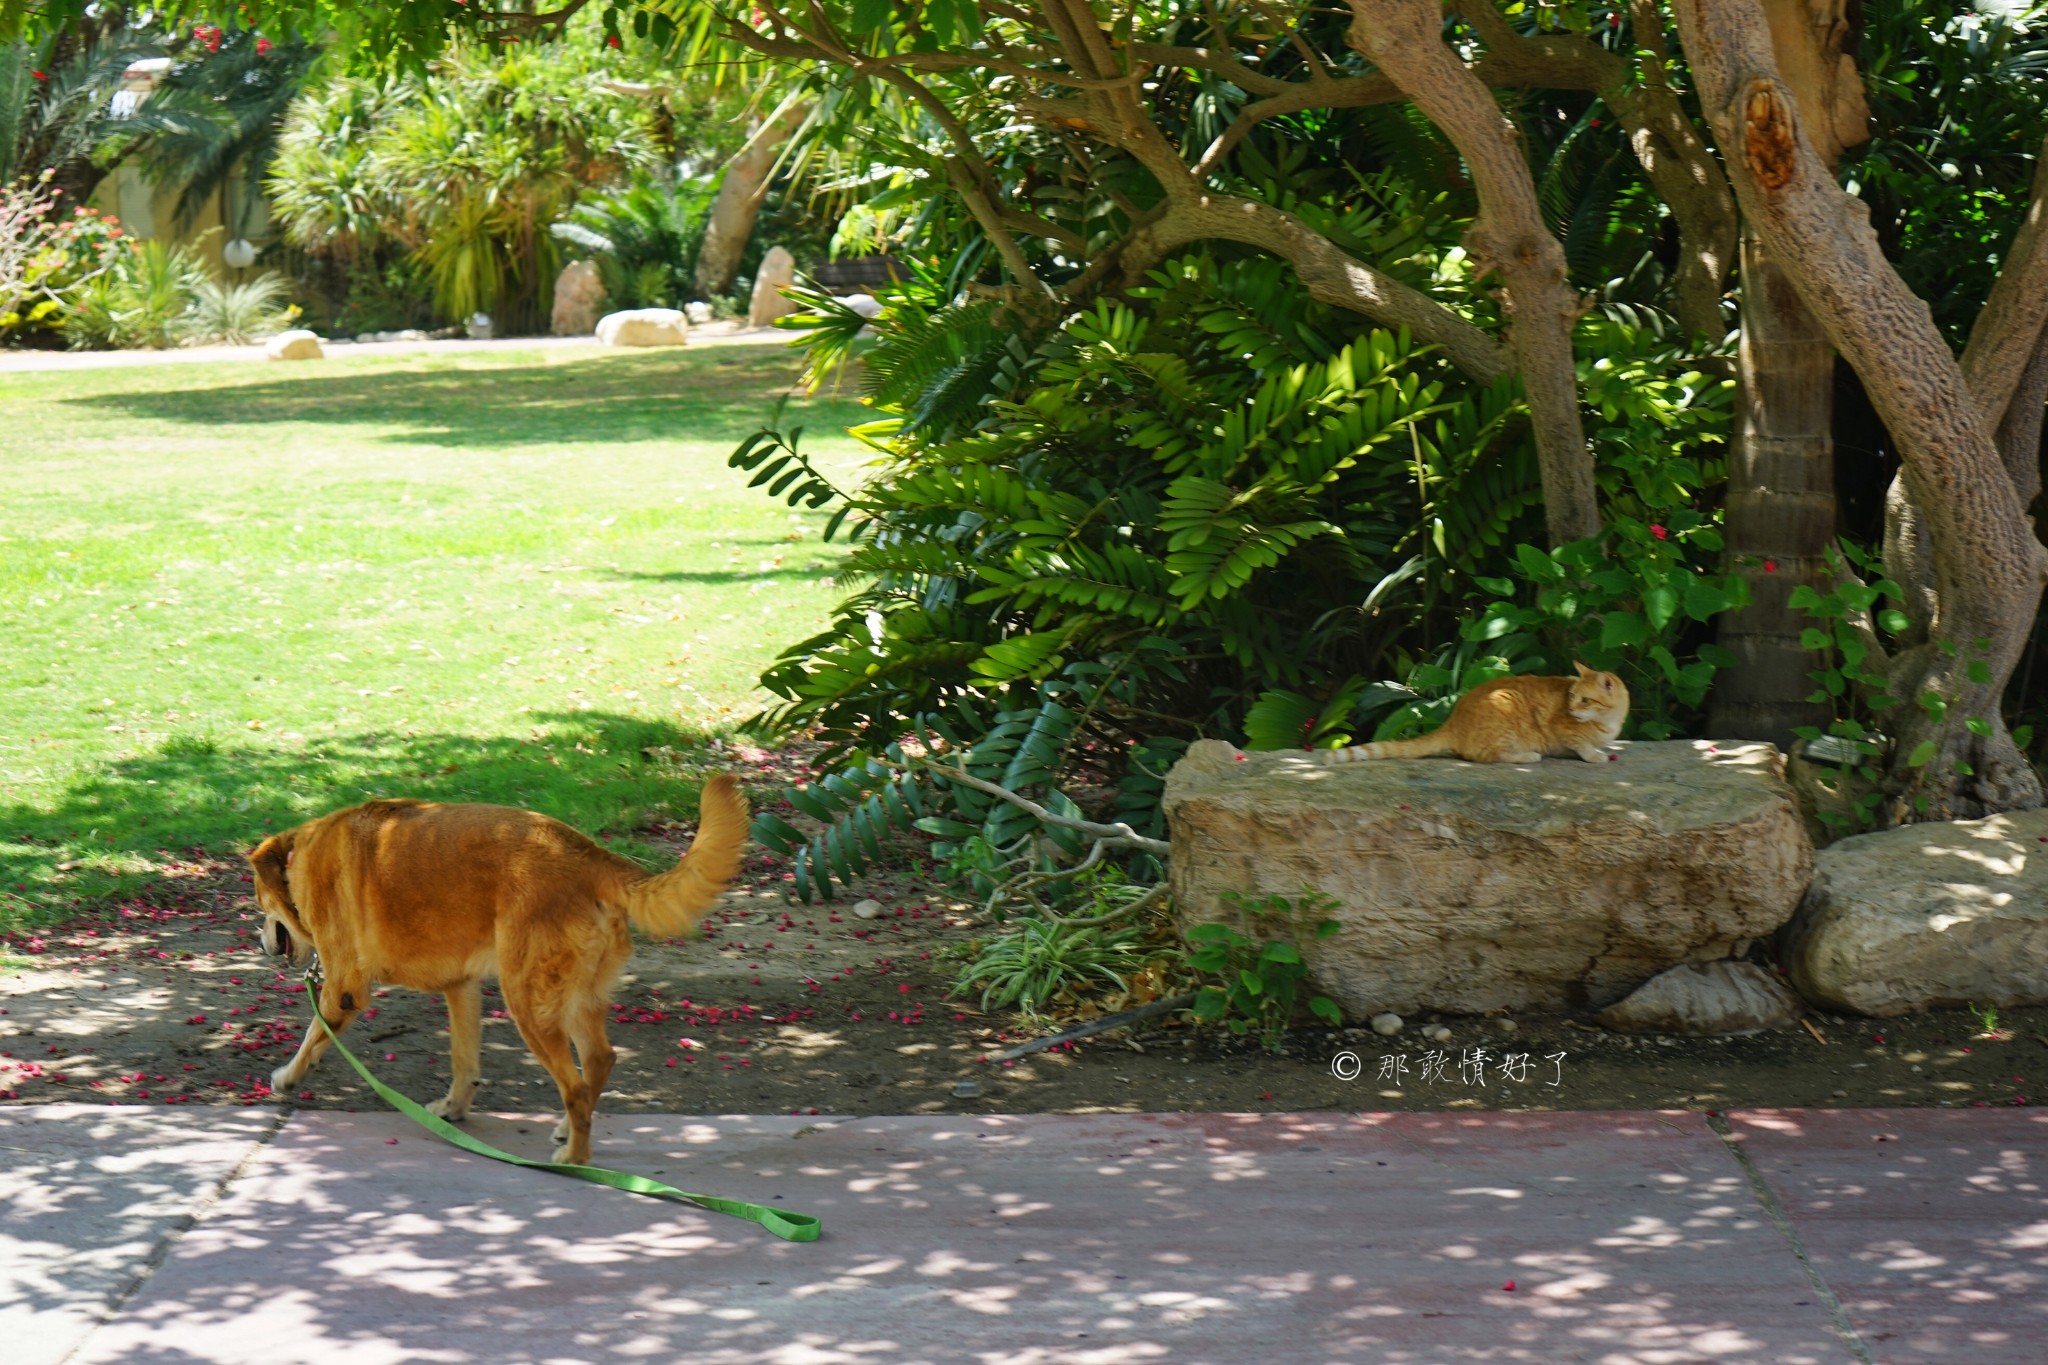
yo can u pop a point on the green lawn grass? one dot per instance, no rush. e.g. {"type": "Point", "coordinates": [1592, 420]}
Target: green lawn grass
{"type": "Point", "coordinates": [233, 596]}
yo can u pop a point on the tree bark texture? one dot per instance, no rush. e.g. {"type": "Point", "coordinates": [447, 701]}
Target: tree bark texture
{"type": "Point", "coordinates": [740, 196]}
{"type": "Point", "coordinates": [1508, 238]}
{"type": "Point", "coordinates": [1781, 506]}
{"type": "Point", "coordinates": [1988, 566]}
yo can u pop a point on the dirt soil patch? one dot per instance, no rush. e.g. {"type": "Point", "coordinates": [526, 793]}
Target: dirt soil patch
{"type": "Point", "coordinates": [787, 1008]}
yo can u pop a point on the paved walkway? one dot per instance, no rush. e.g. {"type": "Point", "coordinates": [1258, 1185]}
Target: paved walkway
{"type": "Point", "coordinates": [710, 334]}
{"type": "Point", "coordinates": [232, 1235]}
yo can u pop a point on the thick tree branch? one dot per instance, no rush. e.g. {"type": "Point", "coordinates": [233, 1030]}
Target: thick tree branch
{"type": "Point", "coordinates": [2006, 335]}
{"type": "Point", "coordinates": [1331, 275]}
{"type": "Point", "coordinates": [1674, 157]}
{"type": "Point", "coordinates": [2019, 433]}
{"type": "Point", "coordinates": [1404, 39]}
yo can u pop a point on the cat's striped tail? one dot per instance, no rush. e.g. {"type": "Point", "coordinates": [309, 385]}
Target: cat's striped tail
{"type": "Point", "coordinates": [1426, 746]}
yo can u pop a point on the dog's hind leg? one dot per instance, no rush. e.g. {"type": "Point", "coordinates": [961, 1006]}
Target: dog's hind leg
{"type": "Point", "coordinates": [341, 999]}
{"type": "Point", "coordinates": [572, 1135]}
{"type": "Point", "coordinates": [593, 1050]}
{"type": "Point", "coordinates": [465, 1051]}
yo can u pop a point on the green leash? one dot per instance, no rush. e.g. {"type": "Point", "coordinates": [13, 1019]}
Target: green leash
{"type": "Point", "coordinates": [791, 1227]}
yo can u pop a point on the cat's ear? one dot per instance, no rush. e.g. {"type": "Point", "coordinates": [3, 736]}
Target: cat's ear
{"type": "Point", "coordinates": [1584, 671]}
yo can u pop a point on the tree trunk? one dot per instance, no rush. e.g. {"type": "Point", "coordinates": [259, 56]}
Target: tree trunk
{"type": "Point", "coordinates": [1404, 39]}
{"type": "Point", "coordinates": [740, 195]}
{"type": "Point", "coordinates": [1781, 506]}
{"type": "Point", "coordinates": [1781, 499]}
{"type": "Point", "coordinates": [1987, 564]}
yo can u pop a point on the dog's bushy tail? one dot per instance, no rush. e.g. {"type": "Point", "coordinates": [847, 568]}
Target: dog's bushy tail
{"type": "Point", "coordinates": [671, 903]}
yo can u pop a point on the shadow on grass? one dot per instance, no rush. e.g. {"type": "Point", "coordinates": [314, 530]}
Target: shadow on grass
{"type": "Point", "coordinates": [794, 573]}
{"type": "Point", "coordinates": [117, 827]}
{"type": "Point", "coordinates": [712, 395]}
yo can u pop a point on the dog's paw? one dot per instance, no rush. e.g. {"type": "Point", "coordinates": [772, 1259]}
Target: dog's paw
{"type": "Point", "coordinates": [447, 1107]}
{"type": "Point", "coordinates": [562, 1131]}
{"type": "Point", "coordinates": [283, 1079]}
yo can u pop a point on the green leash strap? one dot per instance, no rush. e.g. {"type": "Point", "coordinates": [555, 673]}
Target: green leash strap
{"type": "Point", "coordinates": [791, 1227]}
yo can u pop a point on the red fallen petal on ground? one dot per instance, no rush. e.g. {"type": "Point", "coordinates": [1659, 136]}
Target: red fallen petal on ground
{"type": "Point", "coordinates": [1509, 1286]}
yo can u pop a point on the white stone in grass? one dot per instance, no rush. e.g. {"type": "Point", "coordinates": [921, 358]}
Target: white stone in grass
{"type": "Point", "coordinates": [866, 909]}
{"type": "Point", "coordinates": [296, 344]}
{"type": "Point", "coordinates": [644, 327]}
{"type": "Point", "coordinates": [1386, 1025]}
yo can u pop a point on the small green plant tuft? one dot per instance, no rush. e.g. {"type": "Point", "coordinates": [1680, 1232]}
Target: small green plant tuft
{"type": "Point", "coordinates": [185, 745]}
{"type": "Point", "coordinates": [1035, 961]}
{"type": "Point", "coordinates": [1259, 983]}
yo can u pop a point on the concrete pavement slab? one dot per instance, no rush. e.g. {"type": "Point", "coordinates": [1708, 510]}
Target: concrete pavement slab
{"type": "Point", "coordinates": [91, 1196]}
{"type": "Point", "coordinates": [1930, 1225]}
{"type": "Point", "coordinates": [999, 1240]}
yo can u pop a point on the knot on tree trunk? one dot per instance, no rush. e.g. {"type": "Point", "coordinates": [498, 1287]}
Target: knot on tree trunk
{"type": "Point", "coordinates": [1770, 139]}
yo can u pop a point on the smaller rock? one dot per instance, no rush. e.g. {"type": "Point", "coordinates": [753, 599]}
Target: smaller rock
{"type": "Point", "coordinates": [867, 305]}
{"type": "Point", "coordinates": [644, 327]}
{"type": "Point", "coordinates": [966, 1090]}
{"type": "Point", "coordinates": [1506, 1025]}
{"type": "Point", "coordinates": [480, 327]}
{"type": "Point", "coordinates": [1706, 998]}
{"type": "Point", "coordinates": [866, 909]}
{"type": "Point", "coordinates": [1386, 1025]}
{"type": "Point", "coordinates": [697, 311]}
{"type": "Point", "coordinates": [579, 300]}
{"type": "Point", "coordinates": [777, 273]}
{"type": "Point", "coordinates": [296, 344]}
{"type": "Point", "coordinates": [1439, 1034]}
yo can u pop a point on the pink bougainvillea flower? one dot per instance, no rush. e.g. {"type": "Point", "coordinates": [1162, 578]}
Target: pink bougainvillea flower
{"type": "Point", "coordinates": [612, 40]}
{"type": "Point", "coordinates": [1659, 531]}
{"type": "Point", "coordinates": [1770, 566]}
{"type": "Point", "coordinates": [39, 75]}
{"type": "Point", "coordinates": [263, 47]}
{"type": "Point", "coordinates": [1509, 1286]}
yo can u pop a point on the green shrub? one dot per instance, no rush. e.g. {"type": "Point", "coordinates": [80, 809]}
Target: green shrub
{"type": "Point", "coordinates": [1259, 974]}
{"type": "Point", "coordinates": [644, 239]}
{"type": "Point", "coordinates": [142, 300]}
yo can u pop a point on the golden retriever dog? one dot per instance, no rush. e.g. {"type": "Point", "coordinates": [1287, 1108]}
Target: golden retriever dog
{"type": "Point", "coordinates": [439, 897]}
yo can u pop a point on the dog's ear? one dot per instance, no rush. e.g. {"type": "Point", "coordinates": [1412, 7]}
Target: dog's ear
{"type": "Point", "coordinates": [268, 861]}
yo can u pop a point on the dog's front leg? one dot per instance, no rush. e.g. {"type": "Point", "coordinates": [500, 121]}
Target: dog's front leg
{"type": "Point", "coordinates": [340, 1003]}
{"type": "Point", "coordinates": [465, 1051]}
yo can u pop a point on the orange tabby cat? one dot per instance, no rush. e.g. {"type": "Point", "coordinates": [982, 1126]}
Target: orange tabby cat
{"type": "Point", "coordinates": [1517, 720]}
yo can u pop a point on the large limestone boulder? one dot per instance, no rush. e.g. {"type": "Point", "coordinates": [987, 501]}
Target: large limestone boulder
{"type": "Point", "coordinates": [296, 344]}
{"type": "Point", "coordinates": [1706, 998]}
{"type": "Point", "coordinates": [1927, 916]}
{"type": "Point", "coordinates": [777, 273]}
{"type": "Point", "coordinates": [579, 300]}
{"type": "Point", "coordinates": [644, 327]}
{"type": "Point", "coordinates": [1467, 887]}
